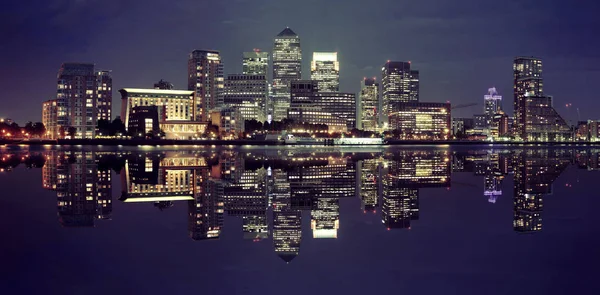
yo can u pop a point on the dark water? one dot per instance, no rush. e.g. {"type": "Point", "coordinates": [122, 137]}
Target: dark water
{"type": "Point", "coordinates": [300, 221]}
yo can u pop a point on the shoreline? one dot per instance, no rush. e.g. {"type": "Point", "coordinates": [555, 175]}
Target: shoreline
{"type": "Point", "coordinates": [166, 142]}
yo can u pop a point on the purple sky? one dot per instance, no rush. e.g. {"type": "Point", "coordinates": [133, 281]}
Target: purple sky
{"type": "Point", "coordinates": [461, 47]}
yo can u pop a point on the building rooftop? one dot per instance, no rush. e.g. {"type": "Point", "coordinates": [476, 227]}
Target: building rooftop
{"type": "Point", "coordinates": [287, 32]}
{"type": "Point", "coordinates": [156, 91]}
{"type": "Point", "coordinates": [287, 257]}
{"type": "Point", "coordinates": [325, 56]}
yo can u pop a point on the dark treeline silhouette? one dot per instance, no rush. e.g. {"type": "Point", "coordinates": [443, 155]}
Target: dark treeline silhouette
{"type": "Point", "coordinates": [30, 129]}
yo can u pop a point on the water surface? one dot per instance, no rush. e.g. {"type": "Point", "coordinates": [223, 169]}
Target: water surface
{"type": "Point", "coordinates": [300, 220]}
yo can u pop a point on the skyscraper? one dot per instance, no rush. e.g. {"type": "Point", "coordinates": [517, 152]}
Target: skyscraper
{"type": "Point", "coordinates": [368, 109]}
{"type": "Point", "coordinates": [256, 63]}
{"type": "Point", "coordinates": [535, 117]}
{"type": "Point", "coordinates": [492, 104]}
{"type": "Point", "coordinates": [83, 97]}
{"type": "Point", "coordinates": [325, 69]}
{"type": "Point", "coordinates": [399, 84]}
{"type": "Point", "coordinates": [287, 66]}
{"type": "Point", "coordinates": [205, 77]}
{"type": "Point", "coordinates": [527, 82]}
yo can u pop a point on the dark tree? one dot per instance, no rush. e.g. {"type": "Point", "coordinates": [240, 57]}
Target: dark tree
{"type": "Point", "coordinates": [39, 129]}
{"type": "Point", "coordinates": [118, 127]}
{"type": "Point", "coordinates": [211, 130]}
{"type": "Point", "coordinates": [71, 131]}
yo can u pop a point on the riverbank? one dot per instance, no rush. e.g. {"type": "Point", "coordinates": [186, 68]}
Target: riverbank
{"type": "Point", "coordinates": [167, 142]}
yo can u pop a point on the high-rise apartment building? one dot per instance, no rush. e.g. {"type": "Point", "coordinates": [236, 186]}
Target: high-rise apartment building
{"type": "Point", "coordinates": [368, 105]}
{"type": "Point", "coordinates": [399, 84]}
{"type": "Point", "coordinates": [287, 67]}
{"type": "Point", "coordinates": [527, 82]}
{"type": "Point", "coordinates": [325, 69]}
{"type": "Point", "coordinates": [255, 63]}
{"type": "Point", "coordinates": [205, 77]}
{"type": "Point", "coordinates": [83, 97]}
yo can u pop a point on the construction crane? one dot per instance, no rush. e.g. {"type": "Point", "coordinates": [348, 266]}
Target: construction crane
{"type": "Point", "coordinates": [465, 105]}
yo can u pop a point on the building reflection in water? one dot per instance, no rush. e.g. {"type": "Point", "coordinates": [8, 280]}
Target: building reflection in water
{"type": "Point", "coordinates": [287, 220]}
{"type": "Point", "coordinates": [83, 191]}
{"type": "Point", "coordinates": [270, 189]}
{"type": "Point", "coordinates": [403, 175]}
{"type": "Point", "coordinates": [535, 171]}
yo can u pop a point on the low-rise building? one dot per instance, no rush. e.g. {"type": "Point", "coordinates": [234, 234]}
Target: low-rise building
{"type": "Point", "coordinates": [175, 111]}
{"type": "Point", "coordinates": [420, 120]}
{"type": "Point", "coordinates": [461, 125]}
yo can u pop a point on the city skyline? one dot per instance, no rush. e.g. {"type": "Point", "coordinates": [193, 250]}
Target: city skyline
{"type": "Point", "coordinates": [480, 66]}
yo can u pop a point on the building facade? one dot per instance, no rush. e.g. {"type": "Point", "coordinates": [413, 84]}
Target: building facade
{"type": "Point", "coordinates": [310, 105]}
{"type": "Point", "coordinates": [368, 107]}
{"type": "Point", "coordinates": [499, 127]}
{"type": "Point", "coordinates": [103, 95]}
{"type": "Point", "coordinates": [229, 120]}
{"type": "Point", "coordinates": [248, 93]}
{"type": "Point", "coordinates": [492, 105]}
{"type": "Point", "coordinates": [421, 120]}
{"type": "Point", "coordinates": [287, 67]}
{"type": "Point", "coordinates": [205, 78]}
{"type": "Point", "coordinates": [255, 63]}
{"type": "Point", "coordinates": [143, 120]}
{"type": "Point", "coordinates": [527, 74]}
{"type": "Point", "coordinates": [83, 97]}
{"type": "Point", "coordinates": [542, 121]}
{"type": "Point", "coordinates": [50, 118]}
{"type": "Point", "coordinates": [461, 125]}
{"type": "Point", "coordinates": [175, 110]}
{"type": "Point", "coordinates": [325, 69]}
{"type": "Point", "coordinates": [399, 84]}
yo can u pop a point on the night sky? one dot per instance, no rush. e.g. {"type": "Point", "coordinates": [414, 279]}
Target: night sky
{"type": "Point", "coordinates": [461, 47]}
